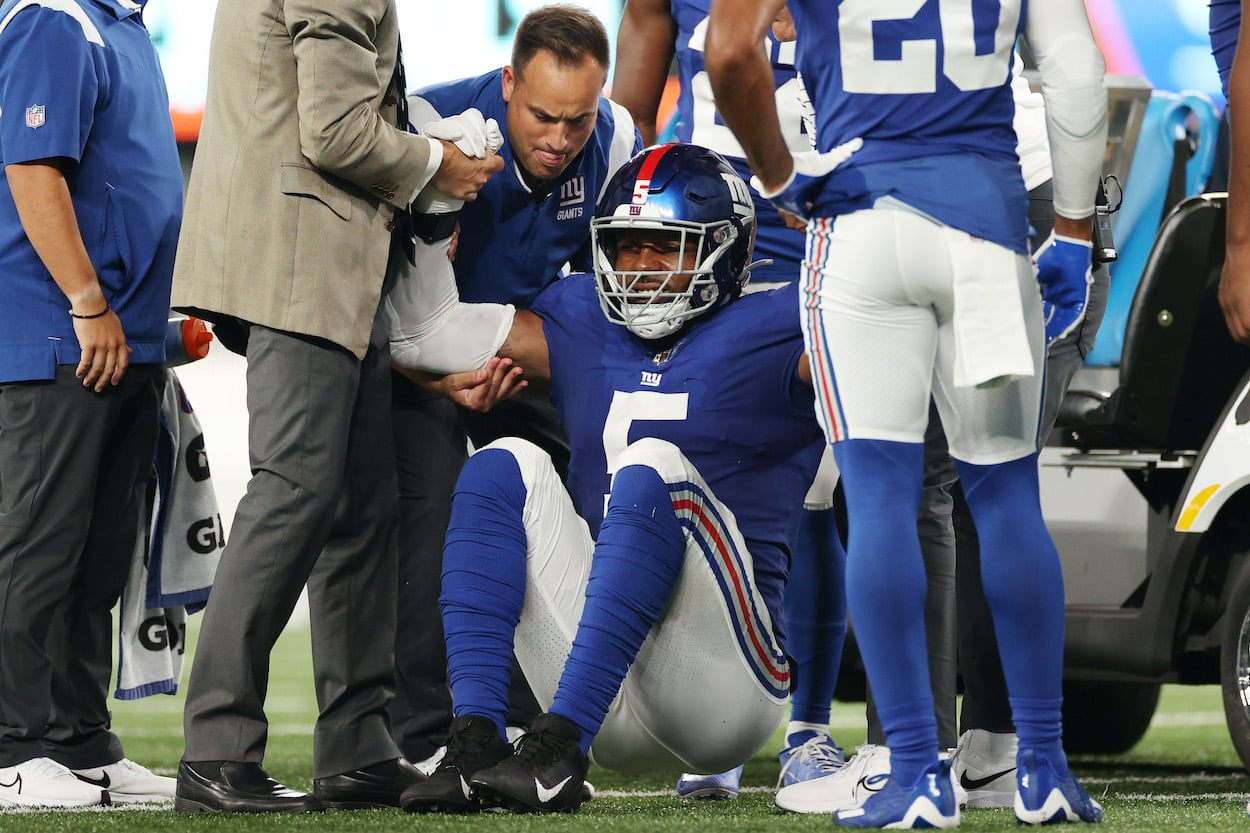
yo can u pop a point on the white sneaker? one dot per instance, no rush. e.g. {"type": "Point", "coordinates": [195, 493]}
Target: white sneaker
{"type": "Point", "coordinates": [961, 795]}
{"type": "Point", "coordinates": [863, 775]}
{"type": "Point", "coordinates": [128, 782]}
{"type": "Point", "coordinates": [984, 764]}
{"type": "Point", "coordinates": [42, 782]}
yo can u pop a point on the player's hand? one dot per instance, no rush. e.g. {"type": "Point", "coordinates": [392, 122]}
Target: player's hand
{"type": "Point", "coordinates": [1065, 272]}
{"type": "Point", "coordinates": [792, 221]}
{"type": "Point", "coordinates": [105, 354]}
{"type": "Point", "coordinates": [1235, 293]}
{"type": "Point", "coordinates": [481, 390]}
{"type": "Point", "coordinates": [471, 133]}
{"type": "Point", "coordinates": [811, 167]}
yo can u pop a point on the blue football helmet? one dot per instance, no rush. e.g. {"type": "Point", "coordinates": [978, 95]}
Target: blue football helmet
{"type": "Point", "coordinates": [693, 195]}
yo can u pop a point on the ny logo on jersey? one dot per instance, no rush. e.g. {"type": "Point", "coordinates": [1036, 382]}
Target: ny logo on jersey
{"type": "Point", "coordinates": [743, 206]}
{"type": "Point", "coordinates": [651, 379]}
{"type": "Point", "coordinates": [573, 192]}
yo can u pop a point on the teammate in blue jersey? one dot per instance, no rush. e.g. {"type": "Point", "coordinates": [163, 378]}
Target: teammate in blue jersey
{"type": "Point", "coordinates": [693, 438]}
{"type": "Point", "coordinates": [562, 142]}
{"type": "Point", "coordinates": [917, 282]}
{"type": "Point", "coordinates": [651, 33]}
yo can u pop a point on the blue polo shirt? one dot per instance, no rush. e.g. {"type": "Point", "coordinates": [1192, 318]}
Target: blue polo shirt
{"type": "Point", "coordinates": [514, 241]}
{"type": "Point", "coordinates": [79, 79]}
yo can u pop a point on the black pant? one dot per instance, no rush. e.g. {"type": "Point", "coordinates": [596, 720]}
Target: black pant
{"type": "Point", "coordinates": [75, 468]}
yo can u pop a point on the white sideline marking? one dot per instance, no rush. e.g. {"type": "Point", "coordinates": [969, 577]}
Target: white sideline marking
{"type": "Point", "coordinates": [1196, 778]}
{"type": "Point", "coordinates": [1209, 718]}
{"type": "Point", "coordinates": [1155, 798]}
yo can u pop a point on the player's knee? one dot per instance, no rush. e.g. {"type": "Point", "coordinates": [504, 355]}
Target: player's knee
{"type": "Point", "coordinates": [493, 475]}
{"type": "Point", "coordinates": [663, 457]}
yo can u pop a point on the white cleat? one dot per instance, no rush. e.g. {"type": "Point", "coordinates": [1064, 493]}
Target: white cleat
{"type": "Point", "coordinates": [863, 775]}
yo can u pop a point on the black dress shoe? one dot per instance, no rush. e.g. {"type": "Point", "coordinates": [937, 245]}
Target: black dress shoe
{"type": "Point", "coordinates": [236, 787]}
{"type": "Point", "coordinates": [379, 785]}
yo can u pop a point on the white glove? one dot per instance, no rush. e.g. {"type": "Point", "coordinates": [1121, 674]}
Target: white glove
{"type": "Point", "coordinates": [471, 133]}
{"type": "Point", "coordinates": [475, 136]}
{"type": "Point", "coordinates": [810, 170]}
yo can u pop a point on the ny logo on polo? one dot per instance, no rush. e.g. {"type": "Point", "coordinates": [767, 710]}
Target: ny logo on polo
{"type": "Point", "coordinates": [573, 192]}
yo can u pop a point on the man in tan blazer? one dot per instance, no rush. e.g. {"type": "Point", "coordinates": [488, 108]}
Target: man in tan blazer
{"type": "Point", "coordinates": [301, 179]}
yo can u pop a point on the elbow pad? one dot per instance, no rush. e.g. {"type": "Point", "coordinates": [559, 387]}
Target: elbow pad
{"type": "Point", "coordinates": [429, 327]}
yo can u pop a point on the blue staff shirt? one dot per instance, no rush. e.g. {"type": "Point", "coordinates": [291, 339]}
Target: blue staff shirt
{"type": "Point", "coordinates": [513, 240]}
{"type": "Point", "coordinates": [80, 81]}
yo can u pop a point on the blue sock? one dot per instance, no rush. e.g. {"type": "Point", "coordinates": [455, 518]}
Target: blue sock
{"type": "Point", "coordinates": [1024, 587]}
{"type": "Point", "coordinates": [815, 614]}
{"type": "Point", "coordinates": [886, 589]}
{"type": "Point", "coordinates": [638, 557]}
{"type": "Point", "coordinates": [484, 583]}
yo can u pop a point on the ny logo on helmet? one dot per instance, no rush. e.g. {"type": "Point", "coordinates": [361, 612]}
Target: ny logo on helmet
{"type": "Point", "coordinates": [740, 194]}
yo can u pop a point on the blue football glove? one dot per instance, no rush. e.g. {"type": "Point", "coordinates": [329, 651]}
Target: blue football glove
{"type": "Point", "coordinates": [1065, 272]}
{"type": "Point", "coordinates": [810, 169]}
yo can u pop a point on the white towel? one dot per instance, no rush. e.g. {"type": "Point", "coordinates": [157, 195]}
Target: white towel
{"type": "Point", "coordinates": [991, 339]}
{"type": "Point", "coordinates": [175, 558]}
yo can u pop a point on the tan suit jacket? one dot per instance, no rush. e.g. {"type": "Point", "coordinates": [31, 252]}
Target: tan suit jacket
{"type": "Point", "coordinates": [299, 168]}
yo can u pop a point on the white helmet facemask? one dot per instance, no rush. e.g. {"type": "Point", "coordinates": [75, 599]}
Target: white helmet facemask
{"type": "Point", "coordinates": [648, 303]}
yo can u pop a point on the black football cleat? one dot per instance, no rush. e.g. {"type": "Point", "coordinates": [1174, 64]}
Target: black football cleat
{"type": "Point", "coordinates": [473, 744]}
{"type": "Point", "coordinates": [544, 775]}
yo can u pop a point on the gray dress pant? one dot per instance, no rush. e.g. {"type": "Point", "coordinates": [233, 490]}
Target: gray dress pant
{"type": "Point", "coordinates": [75, 474]}
{"type": "Point", "coordinates": [319, 510]}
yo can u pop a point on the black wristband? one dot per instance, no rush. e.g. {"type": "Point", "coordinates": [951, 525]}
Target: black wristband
{"type": "Point", "coordinates": [99, 314]}
{"type": "Point", "coordinates": [432, 228]}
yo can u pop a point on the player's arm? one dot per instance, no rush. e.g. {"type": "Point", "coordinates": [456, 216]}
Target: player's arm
{"type": "Point", "coordinates": [645, 43]}
{"type": "Point", "coordinates": [743, 84]}
{"type": "Point", "coordinates": [433, 331]}
{"type": "Point", "coordinates": [1235, 280]}
{"type": "Point", "coordinates": [744, 88]}
{"type": "Point", "coordinates": [1072, 71]}
{"type": "Point", "coordinates": [1075, 98]}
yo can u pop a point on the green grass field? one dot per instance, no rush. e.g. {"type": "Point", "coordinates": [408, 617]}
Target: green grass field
{"type": "Point", "coordinates": [1183, 776]}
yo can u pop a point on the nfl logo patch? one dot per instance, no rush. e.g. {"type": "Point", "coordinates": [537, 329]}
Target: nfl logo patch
{"type": "Point", "coordinates": [34, 116]}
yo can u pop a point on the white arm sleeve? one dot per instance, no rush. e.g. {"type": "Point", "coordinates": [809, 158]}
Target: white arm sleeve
{"type": "Point", "coordinates": [430, 329]}
{"type": "Point", "coordinates": [1072, 72]}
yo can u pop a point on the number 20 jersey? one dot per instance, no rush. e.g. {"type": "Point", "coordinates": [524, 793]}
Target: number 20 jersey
{"type": "Point", "coordinates": [725, 393]}
{"type": "Point", "coordinates": [926, 83]}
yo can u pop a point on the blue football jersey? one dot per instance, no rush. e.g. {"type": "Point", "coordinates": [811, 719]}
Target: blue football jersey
{"type": "Point", "coordinates": [926, 83]}
{"type": "Point", "coordinates": [700, 123]}
{"type": "Point", "coordinates": [1224, 22]}
{"type": "Point", "coordinates": [513, 240]}
{"type": "Point", "coordinates": [725, 392]}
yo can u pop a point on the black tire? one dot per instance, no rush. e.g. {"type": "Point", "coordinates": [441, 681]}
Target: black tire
{"type": "Point", "coordinates": [1106, 717]}
{"type": "Point", "coordinates": [1235, 666]}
